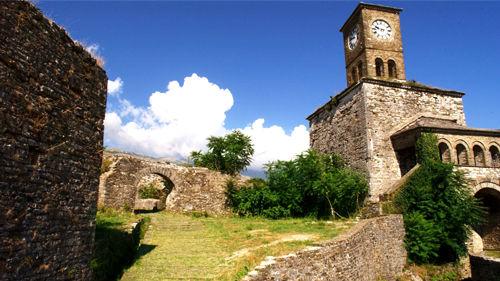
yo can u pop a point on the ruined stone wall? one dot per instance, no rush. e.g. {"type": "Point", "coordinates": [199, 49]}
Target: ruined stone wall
{"type": "Point", "coordinates": [195, 189]}
{"type": "Point", "coordinates": [388, 108]}
{"type": "Point", "coordinates": [340, 127]}
{"type": "Point", "coordinates": [52, 105]}
{"type": "Point", "coordinates": [371, 250]}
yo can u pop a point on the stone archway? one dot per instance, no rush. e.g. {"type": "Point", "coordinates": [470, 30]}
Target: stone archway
{"type": "Point", "coordinates": [153, 186]}
{"type": "Point", "coordinates": [489, 194]}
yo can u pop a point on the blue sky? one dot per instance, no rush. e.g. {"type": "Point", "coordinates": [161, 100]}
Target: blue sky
{"type": "Point", "coordinates": [281, 60]}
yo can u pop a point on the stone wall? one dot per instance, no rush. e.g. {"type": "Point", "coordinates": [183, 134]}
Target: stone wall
{"type": "Point", "coordinates": [388, 109]}
{"type": "Point", "coordinates": [371, 250]}
{"type": "Point", "coordinates": [340, 127]}
{"type": "Point", "coordinates": [194, 189]}
{"type": "Point", "coordinates": [484, 268]}
{"type": "Point", "coordinates": [52, 105]}
{"type": "Point", "coordinates": [359, 122]}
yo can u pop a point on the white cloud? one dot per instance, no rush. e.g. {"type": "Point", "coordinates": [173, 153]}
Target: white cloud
{"type": "Point", "coordinates": [180, 120]}
{"type": "Point", "coordinates": [115, 86]}
{"type": "Point", "coordinates": [273, 143]}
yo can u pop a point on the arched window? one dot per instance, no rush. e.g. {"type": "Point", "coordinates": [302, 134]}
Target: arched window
{"type": "Point", "coordinates": [444, 152]}
{"type": "Point", "coordinates": [392, 69]}
{"type": "Point", "coordinates": [462, 156]}
{"type": "Point", "coordinates": [478, 156]}
{"type": "Point", "coordinates": [495, 156]}
{"type": "Point", "coordinates": [354, 75]}
{"type": "Point", "coordinates": [379, 67]}
{"type": "Point", "coordinates": [360, 70]}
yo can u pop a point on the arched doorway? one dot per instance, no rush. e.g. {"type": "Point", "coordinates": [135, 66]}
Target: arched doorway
{"type": "Point", "coordinates": [152, 192]}
{"type": "Point", "coordinates": [490, 229]}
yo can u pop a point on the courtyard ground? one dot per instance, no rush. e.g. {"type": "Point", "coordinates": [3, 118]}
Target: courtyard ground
{"type": "Point", "coordinates": [194, 247]}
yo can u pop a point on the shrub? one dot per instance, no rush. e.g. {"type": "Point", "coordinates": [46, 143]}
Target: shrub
{"type": "Point", "coordinates": [438, 208]}
{"type": "Point", "coordinates": [106, 164]}
{"type": "Point", "coordinates": [312, 184]}
{"type": "Point", "coordinates": [230, 154]}
{"type": "Point", "coordinates": [149, 192]}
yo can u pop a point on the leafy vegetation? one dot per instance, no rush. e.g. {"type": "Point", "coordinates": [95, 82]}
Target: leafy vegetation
{"type": "Point", "coordinates": [106, 164]}
{"type": "Point", "coordinates": [149, 191]}
{"type": "Point", "coordinates": [186, 247]}
{"type": "Point", "coordinates": [438, 208]}
{"type": "Point", "coordinates": [229, 154]}
{"type": "Point", "coordinates": [115, 246]}
{"type": "Point", "coordinates": [311, 185]}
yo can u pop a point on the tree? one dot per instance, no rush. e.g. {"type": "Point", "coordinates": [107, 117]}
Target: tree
{"type": "Point", "coordinates": [438, 208]}
{"type": "Point", "coordinates": [229, 154]}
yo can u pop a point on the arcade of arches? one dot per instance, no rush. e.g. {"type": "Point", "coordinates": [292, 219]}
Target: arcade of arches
{"type": "Point", "coordinates": [462, 154]}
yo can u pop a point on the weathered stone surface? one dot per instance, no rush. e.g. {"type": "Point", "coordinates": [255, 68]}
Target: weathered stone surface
{"type": "Point", "coordinates": [147, 204]}
{"type": "Point", "coordinates": [52, 105]}
{"type": "Point", "coordinates": [358, 124]}
{"type": "Point", "coordinates": [194, 189]}
{"type": "Point", "coordinates": [484, 268]}
{"type": "Point", "coordinates": [369, 47]}
{"type": "Point", "coordinates": [371, 250]}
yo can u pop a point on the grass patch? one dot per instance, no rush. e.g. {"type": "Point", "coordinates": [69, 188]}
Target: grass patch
{"type": "Point", "coordinates": [492, 253]}
{"type": "Point", "coordinates": [429, 272]}
{"type": "Point", "coordinates": [193, 247]}
{"type": "Point", "coordinates": [115, 244]}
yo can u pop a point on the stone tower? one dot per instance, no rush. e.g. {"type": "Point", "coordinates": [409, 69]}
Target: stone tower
{"type": "Point", "coordinates": [372, 44]}
{"type": "Point", "coordinates": [362, 122]}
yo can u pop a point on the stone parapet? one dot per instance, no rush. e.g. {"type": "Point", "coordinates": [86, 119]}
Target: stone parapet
{"type": "Point", "coordinates": [371, 250]}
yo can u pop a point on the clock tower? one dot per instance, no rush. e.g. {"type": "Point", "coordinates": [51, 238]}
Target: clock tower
{"type": "Point", "coordinates": [372, 44]}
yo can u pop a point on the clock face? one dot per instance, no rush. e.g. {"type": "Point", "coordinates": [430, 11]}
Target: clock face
{"type": "Point", "coordinates": [353, 38]}
{"type": "Point", "coordinates": [381, 29]}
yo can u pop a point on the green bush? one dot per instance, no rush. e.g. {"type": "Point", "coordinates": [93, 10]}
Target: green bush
{"type": "Point", "coordinates": [229, 154]}
{"type": "Point", "coordinates": [149, 192]}
{"type": "Point", "coordinates": [312, 184]}
{"type": "Point", "coordinates": [438, 208]}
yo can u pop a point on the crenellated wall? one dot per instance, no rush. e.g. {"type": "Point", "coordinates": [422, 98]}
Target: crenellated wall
{"type": "Point", "coordinates": [52, 105]}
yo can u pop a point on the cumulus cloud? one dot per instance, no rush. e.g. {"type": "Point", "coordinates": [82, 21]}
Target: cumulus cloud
{"type": "Point", "coordinates": [180, 119]}
{"type": "Point", "coordinates": [115, 86]}
{"type": "Point", "coordinates": [273, 143]}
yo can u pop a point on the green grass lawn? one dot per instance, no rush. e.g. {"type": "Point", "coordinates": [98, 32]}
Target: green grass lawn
{"type": "Point", "coordinates": [183, 247]}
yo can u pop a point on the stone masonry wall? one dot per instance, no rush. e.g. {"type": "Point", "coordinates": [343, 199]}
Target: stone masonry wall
{"type": "Point", "coordinates": [359, 127]}
{"type": "Point", "coordinates": [484, 268]}
{"type": "Point", "coordinates": [371, 250]}
{"type": "Point", "coordinates": [341, 129]}
{"type": "Point", "coordinates": [389, 108]}
{"type": "Point", "coordinates": [195, 189]}
{"type": "Point", "coordinates": [52, 105]}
